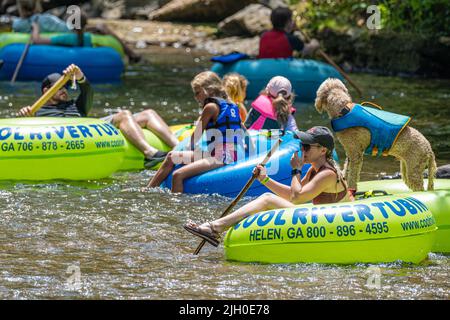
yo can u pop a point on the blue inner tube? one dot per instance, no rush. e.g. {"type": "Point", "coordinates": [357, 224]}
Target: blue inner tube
{"type": "Point", "coordinates": [305, 75]}
{"type": "Point", "coordinates": [230, 179]}
{"type": "Point", "coordinates": [100, 65]}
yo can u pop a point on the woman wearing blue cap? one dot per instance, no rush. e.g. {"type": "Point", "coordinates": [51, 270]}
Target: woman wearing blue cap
{"type": "Point", "coordinates": [323, 183]}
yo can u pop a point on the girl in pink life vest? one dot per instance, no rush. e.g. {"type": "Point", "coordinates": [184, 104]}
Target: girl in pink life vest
{"type": "Point", "coordinates": [273, 108]}
{"type": "Point", "coordinates": [236, 87]}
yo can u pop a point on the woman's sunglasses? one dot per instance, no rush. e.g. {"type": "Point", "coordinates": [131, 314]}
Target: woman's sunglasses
{"type": "Point", "coordinates": [306, 147]}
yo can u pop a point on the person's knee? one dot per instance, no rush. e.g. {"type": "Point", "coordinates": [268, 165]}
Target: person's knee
{"type": "Point", "coordinates": [169, 160]}
{"type": "Point", "coordinates": [121, 116]}
{"type": "Point", "coordinates": [126, 113]}
{"type": "Point", "coordinates": [177, 176]}
{"type": "Point", "coordinates": [267, 198]}
{"type": "Point", "coordinates": [149, 112]}
{"type": "Point", "coordinates": [149, 115]}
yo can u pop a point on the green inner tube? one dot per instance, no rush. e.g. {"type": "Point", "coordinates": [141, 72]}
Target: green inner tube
{"type": "Point", "coordinates": [97, 40]}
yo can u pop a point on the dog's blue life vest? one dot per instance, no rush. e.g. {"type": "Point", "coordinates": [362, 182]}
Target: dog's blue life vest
{"type": "Point", "coordinates": [384, 127]}
{"type": "Point", "coordinates": [228, 118]}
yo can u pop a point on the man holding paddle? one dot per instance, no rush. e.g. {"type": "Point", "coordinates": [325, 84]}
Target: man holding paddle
{"type": "Point", "coordinates": [59, 105]}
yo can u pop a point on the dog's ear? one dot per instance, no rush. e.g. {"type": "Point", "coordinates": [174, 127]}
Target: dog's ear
{"type": "Point", "coordinates": [318, 105]}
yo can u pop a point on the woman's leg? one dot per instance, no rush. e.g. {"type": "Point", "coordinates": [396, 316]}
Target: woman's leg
{"type": "Point", "coordinates": [173, 157]}
{"type": "Point", "coordinates": [192, 169]}
{"type": "Point", "coordinates": [152, 121]}
{"type": "Point", "coordinates": [133, 132]}
{"type": "Point", "coordinates": [264, 202]}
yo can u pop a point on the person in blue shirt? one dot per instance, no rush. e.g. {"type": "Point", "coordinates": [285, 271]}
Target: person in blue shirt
{"type": "Point", "coordinates": [31, 20]}
{"type": "Point", "coordinates": [77, 38]}
{"type": "Point", "coordinates": [30, 12]}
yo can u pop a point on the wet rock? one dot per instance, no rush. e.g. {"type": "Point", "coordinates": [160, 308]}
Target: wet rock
{"type": "Point", "coordinates": [8, 6]}
{"type": "Point", "coordinates": [445, 41]}
{"type": "Point", "coordinates": [113, 9]}
{"type": "Point", "coordinates": [250, 21]}
{"type": "Point", "coordinates": [5, 23]}
{"type": "Point", "coordinates": [198, 10]}
{"type": "Point", "coordinates": [442, 172]}
{"type": "Point", "coordinates": [142, 33]}
{"type": "Point", "coordinates": [249, 46]}
{"type": "Point", "coordinates": [141, 12]}
{"type": "Point", "coordinates": [388, 53]}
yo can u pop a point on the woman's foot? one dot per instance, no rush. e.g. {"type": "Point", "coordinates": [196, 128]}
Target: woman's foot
{"type": "Point", "coordinates": [205, 231]}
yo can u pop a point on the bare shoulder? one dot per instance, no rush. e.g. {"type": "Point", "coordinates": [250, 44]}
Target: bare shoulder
{"type": "Point", "coordinates": [210, 109]}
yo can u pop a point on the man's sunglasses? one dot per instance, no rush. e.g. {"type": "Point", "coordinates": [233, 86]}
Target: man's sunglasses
{"type": "Point", "coordinates": [306, 147]}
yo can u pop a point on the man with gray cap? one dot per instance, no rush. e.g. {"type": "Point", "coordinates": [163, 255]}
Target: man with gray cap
{"type": "Point", "coordinates": [59, 105]}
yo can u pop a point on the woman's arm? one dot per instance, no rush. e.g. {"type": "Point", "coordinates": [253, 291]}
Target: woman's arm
{"type": "Point", "coordinates": [279, 189]}
{"type": "Point", "coordinates": [291, 124]}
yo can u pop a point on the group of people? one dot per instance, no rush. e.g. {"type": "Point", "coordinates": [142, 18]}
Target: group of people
{"type": "Point", "coordinates": [222, 109]}
{"type": "Point", "coordinates": [222, 103]}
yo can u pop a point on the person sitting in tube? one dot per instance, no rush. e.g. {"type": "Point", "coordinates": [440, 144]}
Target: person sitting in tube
{"type": "Point", "coordinates": [280, 42]}
{"type": "Point", "coordinates": [323, 183]}
{"type": "Point", "coordinates": [30, 11]}
{"type": "Point", "coordinates": [36, 23]}
{"type": "Point", "coordinates": [130, 124]}
{"type": "Point", "coordinates": [273, 108]}
{"type": "Point", "coordinates": [236, 86]}
{"type": "Point", "coordinates": [218, 118]}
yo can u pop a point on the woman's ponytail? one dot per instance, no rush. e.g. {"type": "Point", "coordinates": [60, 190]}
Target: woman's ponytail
{"type": "Point", "coordinates": [335, 165]}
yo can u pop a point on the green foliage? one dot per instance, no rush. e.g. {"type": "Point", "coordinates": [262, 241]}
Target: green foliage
{"type": "Point", "coordinates": [429, 17]}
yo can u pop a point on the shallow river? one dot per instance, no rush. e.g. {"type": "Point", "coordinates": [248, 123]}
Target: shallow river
{"type": "Point", "coordinates": [101, 239]}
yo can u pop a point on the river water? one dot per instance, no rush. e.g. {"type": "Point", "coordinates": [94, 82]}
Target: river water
{"type": "Point", "coordinates": [106, 239]}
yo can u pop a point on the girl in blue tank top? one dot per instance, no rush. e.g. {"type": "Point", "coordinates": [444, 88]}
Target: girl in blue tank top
{"type": "Point", "coordinates": [220, 119]}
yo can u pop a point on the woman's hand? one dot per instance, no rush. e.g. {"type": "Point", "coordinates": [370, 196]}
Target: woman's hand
{"type": "Point", "coordinates": [296, 161]}
{"type": "Point", "coordinates": [260, 171]}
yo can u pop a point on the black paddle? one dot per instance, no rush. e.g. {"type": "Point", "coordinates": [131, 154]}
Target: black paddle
{"type": "Point", "coordinates": [22, 58]}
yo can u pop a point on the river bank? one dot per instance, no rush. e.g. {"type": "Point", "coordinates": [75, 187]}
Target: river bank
{"type": "Point", "coordinates": [383, 53]}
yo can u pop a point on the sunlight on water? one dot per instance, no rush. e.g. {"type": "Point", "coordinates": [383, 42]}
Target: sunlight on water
{"type": "Point", "coordinates": [107, 239]}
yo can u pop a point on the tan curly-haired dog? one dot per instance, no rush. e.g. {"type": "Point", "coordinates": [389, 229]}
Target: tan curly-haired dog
{"type": "Point", "coordinates": [411, 147]}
